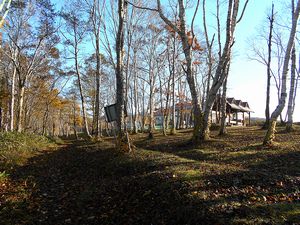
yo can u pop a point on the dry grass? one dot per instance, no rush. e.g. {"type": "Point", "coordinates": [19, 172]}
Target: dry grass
{"type": "Point", "coordinates": [167, 180]}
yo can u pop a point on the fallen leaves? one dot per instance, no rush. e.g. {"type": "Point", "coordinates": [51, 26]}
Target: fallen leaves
{"type": "Point", "coordinates": [171, 182]}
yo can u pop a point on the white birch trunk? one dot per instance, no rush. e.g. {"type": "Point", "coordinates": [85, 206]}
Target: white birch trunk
{"type": "Point", "coordinates": [270, 135]}
{"type": "Point", "coordinates": [290, 111]}
{"type": "Point", "coordinates": [21, 109]}
{"type": "Point", "coordinates": [123, 143]}
{"type": "Point", "coordinates": [12, 101]}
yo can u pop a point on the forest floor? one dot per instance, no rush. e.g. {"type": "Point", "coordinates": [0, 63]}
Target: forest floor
{"type": "Point", "coordinates": [228, 180]}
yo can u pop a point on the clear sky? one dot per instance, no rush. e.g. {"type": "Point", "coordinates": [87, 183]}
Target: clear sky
{"type": "Point", "coordinates": [247, 79]}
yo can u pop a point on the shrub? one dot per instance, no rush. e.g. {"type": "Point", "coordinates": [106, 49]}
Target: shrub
{"type": "Point", "coordinates": [15, 147]}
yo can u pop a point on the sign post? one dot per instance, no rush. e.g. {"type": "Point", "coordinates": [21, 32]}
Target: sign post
{"type": "Point", "coordinates": [111, 112]}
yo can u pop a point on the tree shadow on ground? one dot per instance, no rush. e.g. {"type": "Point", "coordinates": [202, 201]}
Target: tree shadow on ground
{"type": "Point", "coordinates": [76, 186]}
{"type": "Point", "coordinates": [264, 184]}
{"type": "Point", "coordinates": [84, 184]}
{"type": "Point", "coordinates": [185, 148]}
{"type": "Point", "coordinates": [271, 186]}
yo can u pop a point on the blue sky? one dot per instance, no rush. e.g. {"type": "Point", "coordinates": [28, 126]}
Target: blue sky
{"type": "Point", "coordinates": [247, 79]}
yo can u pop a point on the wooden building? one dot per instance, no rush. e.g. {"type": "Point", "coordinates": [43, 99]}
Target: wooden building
{"type": "Point", "coordinates": [238, 112]}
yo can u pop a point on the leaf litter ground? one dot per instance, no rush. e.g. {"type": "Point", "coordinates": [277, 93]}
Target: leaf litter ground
{"type": "Point", "coordinates": [227, 180]}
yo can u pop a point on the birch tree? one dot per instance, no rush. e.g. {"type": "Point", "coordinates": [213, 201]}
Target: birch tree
{"type": "Point", "coordinates": [123, 142]}
{"type": "Point", "coordinates": [292, 93]}
{"type": "Point", "coordinates": [201, 116]}
{"type": "Point", "coordinates": [222, 67]}
{"type": "Point", "coordinates": [95, 10]}
{"type": "Point", "coordinates": [29, 46]}
{"type": "Point", "coordinates": [76, 31]}
{"type": "Point", "coordinates": [270, 135]}
{"type": "Point", "coordinates": [265, 58]}
{"type": "Point", "coordinates": [267, 110]}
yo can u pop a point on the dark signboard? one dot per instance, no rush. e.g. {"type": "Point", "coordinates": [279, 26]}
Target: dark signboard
{"type": "Point", "coordinates": [111, 112]}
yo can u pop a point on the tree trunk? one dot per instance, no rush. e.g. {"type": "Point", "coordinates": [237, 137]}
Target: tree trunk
{"type": "Point", "coordinates": [86, 126]}
{"type": "Point", "coordinates": [77, 70]}
{"type": "Point", "coordinates": [222, 66]}
{"type": "Point", "coordinates": [223, 129]}
{"type": "Point", "coordinates": [96, 18]}
{"type": "Point", "coordinates": [192, 85]}
{"type": "Point", "coordinates": [135, 94]}
{"type": "Point", "coordinates": [98, 83]}
{"type": "Point", "coordinates": [45, 119]}
{"type": "Point", "coordinates": [162, 107]}
{"type": "Point", "coordinates": [123, 142]}
{"type": "Point", "coordinates": [21, 108]}
{"type": "Point", "coordinates": [209, 59]}
{"type": "Point", "coordinates": [74, 121]}
{"type": "Point", "coordinates": [267, 111]}
{"type": "Point", "coordinates": [195, 98]}
{"type": "Point", "coordinates": [290, 111]}
{"type": "Point", "coordinates": [270, 135]}
{"type": "Point", "coordinates": [188, 71]}
{"type": "Point", "coordinates": [167, 108]}
{"type": "Point", "coordinates": [143, 109]}
{"type": "Point", "coordinates": [1, 119]}
{"type": "Point", "coordinates": [151, 102]}
{"type": "Point", "coordinates": [12, 101]}
{"type": "Point", "coordinates": [173, 131]}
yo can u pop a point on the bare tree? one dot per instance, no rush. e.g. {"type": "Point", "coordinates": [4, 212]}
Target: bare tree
{"type": "Point", "coordinates": [134, 46]}
{"type": "Point", "coordinates": [135, 91]}
{"type": "Point", "coordinates": [95, 14]}
{"type": "Point", "coordinates": [180, 28]}
{"type": "Point", "coordinates": [223, 64]}
{"type": "Point", "coordinates": [172, 59]}
{"type": "Point", "coordinates": [123, 142]}
{"type": "Point", "coordinates": [223, 109]}
{"type": "Point", "coordinates": [201, 119]}
{"type": "Point", "coordinates": [76, 29]}
{"type": "Point", "coordinates": [290, 110]}
{"type": "Point", "coordinates": [29, 47]}
{"type": "Point", "coordinates": [267, 110]}
{"type": "Point", "coordinates": [266, 59]}
{"type": "Point", "coordinates": [270, 135]}
{"type": "Point", "coordinates": [209, 45]}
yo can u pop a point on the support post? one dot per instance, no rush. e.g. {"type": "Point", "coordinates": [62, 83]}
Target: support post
{"type": "Point", "coordinates": [249, 119]}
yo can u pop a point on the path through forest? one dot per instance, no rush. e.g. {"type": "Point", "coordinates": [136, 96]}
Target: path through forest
{"type": "Point", "coordinates": [82, 184]}
{"type": "Point", "coordinates": [164, 181]}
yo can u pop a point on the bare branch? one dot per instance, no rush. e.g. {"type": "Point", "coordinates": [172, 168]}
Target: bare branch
{"type": "Point", "coordinates": [195, 13]}
{"type": "Point", "coordinates": [141, 7]}
{"type": "Point", "coordinates": [244, 9]}
{"type": "Point", "coordinates": [165, 19]}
